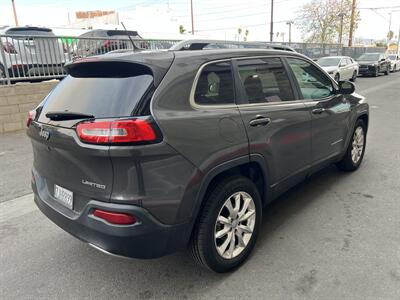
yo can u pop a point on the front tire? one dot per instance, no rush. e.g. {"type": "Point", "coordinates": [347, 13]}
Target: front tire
{"type": "Point", "coordinates": [354, 77]}
{"type": "Point", "coordinates": [355, 151]}
{"type": "Point", "coordinates": [228, 226]}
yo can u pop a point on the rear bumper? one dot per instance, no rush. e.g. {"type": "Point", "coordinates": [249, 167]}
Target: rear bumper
{"type": "Point", "coordinates": [148, 238]}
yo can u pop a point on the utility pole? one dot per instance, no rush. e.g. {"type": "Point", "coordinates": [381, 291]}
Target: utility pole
{"type": "Point", "coordinates": [341, 16]}
{"type": "Point", "coordinates": [191, 14]}
{"type": "Point", "coordinates": [398, 42]}
{"type": "Point", "coordinates": [290, 30]}
{"type": "Point", "coordinates": [390, 27]}
{"type": "Point", "coordinates": [15, 13]}
{"type": "Point", "coordinates": [353, 12]}
{"type": "Point", "coordinates": [271, 31]}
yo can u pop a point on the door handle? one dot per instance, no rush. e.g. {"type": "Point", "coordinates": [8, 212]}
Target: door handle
{"type": "Point", "coordinates": [318, 111]}
{"type": "Point", "coordinates": [260, 121]}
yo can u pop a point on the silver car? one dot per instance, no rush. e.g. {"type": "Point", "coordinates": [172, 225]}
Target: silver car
{"type": "Point", "coordinates": [30, 51]}
{"type": "Point", "coordinates": [394, 62]}
{"type": "Point", "coordinates": [340, 67]}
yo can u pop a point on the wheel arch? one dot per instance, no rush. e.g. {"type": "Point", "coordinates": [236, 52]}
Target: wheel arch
{"type": "Point", "coordinates": [252, 168]}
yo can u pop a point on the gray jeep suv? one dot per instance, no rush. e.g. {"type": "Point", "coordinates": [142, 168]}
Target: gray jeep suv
{"type": "Point", "coordinates": [143, 154]}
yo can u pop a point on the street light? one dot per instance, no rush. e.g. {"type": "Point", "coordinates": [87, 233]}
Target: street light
{"type": "Point", "coordinates": [290, 30]}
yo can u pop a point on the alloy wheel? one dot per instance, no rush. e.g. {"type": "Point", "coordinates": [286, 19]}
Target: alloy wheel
{"type": "Point", "coordinates": [357, 145]}
{"type": "Point", "coordinates": [235, 225]}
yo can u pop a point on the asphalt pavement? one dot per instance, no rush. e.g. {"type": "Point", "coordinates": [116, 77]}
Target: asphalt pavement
{"type": "Point", "coordinates": [335, 236]}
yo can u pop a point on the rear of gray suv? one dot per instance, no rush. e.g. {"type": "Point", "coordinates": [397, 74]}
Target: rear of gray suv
{"type": "Point", "coordinates": [144, 154]}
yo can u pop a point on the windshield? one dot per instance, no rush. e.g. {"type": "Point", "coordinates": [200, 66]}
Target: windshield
{"type": "Point", "coordinates": [100, 97]}
{"type": "Point", "coordinates": [392, 57]}
{"type": "Point", "coordinates": [369, 56]}
{"type": "Point", "coordinates": [328, 61]}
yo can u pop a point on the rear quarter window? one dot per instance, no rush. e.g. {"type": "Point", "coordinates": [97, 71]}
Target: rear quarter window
{"type": "Point", "coordinates": [215, 85]}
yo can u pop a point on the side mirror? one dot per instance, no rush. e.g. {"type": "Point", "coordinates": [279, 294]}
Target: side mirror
{"type": "Point", "coordinates": [346, 87]}
{"type": "Point", "coordinates": [382, 59]}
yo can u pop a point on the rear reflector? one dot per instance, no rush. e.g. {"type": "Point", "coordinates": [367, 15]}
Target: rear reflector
{"type": "Point", "coordinates": [116, 132]}
{"type": "Point", "coordinates": [115, 217]}
{"type": "Point", "coordinates": [31, 117]}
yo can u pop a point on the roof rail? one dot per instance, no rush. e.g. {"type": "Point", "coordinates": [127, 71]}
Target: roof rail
{"type": "Point", "coordinates": [198, 44]}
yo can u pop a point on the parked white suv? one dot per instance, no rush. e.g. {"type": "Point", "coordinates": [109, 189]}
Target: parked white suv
{"type": "Point", "coordinates": [340, 67]}
{"type": "Point", "coordinates": [394, 62]}
{"type": "Point", "coordinates": [28, 51]}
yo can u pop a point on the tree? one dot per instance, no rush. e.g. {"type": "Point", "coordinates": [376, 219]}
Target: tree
{"type": "Point", "coordinates": [182, 29]}
{"type": "Point", "coordinates": [320, 20]}
{"type": "Point", "coordinates": [246, 33]}
{"type": "Point", "coordinates": [390, 35]}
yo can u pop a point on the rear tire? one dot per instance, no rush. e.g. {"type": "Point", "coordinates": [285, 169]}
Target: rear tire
{"type": "Point", "coordinates": [355, 151]}
{"type": "Point", "coordinates": [2, 75]}
{"type": "Point", "coordinates": [222, 241]}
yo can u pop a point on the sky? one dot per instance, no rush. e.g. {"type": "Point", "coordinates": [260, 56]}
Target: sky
{"type": "Point", "coordinates": [212, 19]}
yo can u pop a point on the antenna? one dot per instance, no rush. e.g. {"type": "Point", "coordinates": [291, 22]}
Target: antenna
{"type": "Point", "coordinates": [133, 44]}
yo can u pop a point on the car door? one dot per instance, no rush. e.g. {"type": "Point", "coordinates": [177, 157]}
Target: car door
{"type": "Point", "coordinates": [330, 111]}
{"type": "Point", "coordinates": [278, 125]}
{"type": "Point", "coordinates": [343, 67]}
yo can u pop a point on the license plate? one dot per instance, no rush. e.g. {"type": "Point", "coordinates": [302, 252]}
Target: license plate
{"type": "Point", "coordinates": [64, 196]}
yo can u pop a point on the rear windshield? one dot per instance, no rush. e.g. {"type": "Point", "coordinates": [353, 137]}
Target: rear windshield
{"type": "Point", "coordinates": [101, 97]}
{"type": "Point", "coordinates": [328, 61]}
{"type": "Point", "coordinates": [30, 31]}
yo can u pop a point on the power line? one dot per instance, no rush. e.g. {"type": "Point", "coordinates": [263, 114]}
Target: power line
{"type": "Point", "coordinates": [244, 26]}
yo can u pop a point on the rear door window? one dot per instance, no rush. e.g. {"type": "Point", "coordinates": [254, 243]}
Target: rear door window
{"type": "Point", "coordinates": [265, 80]}
{"type": "Point", "coordinates": [102, 97]}
{"type": "Point", "coordinates": [215, 85]}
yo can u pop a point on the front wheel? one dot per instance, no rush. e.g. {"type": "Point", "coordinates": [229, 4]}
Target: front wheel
{"type": "Point", "coordinates": [387, 72]}
{"type": "Point", "coordinates": [354, 77]}
{"type": "Point", "coordinates": [355, 151]}
{"type": "Point", "coordinates": [228, 226]}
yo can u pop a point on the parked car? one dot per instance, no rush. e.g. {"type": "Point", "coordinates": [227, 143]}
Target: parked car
{"type": "Point", "coordinates": [339, 67]}
{"type": "Point", "coordinates": [100, 41]}
{"type": "Point", "coordinates": [143, 154]}
{"type": "Point", "coordinates": [373, 64]}
{"type": "Point", "coordinates": [394, 62]}
{"type": "Point", "coordinates": [30, 51]}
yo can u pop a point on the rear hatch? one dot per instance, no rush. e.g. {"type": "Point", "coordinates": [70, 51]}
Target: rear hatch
{"type": "Point", "coordinates": [65, 152]}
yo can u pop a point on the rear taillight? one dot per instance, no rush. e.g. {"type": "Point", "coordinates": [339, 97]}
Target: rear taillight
{"type": "Point", "coordinates": [116, 132]}
{"type": "Point", "coordinates": [31, 117]}
{"type": "Point", "coordinates": [115, 217]}
{"type": "Point", "coordinates": [9, 48]}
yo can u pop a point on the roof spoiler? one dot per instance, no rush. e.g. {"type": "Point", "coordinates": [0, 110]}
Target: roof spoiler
{"type": "Point", "coordinates": [197, 44]}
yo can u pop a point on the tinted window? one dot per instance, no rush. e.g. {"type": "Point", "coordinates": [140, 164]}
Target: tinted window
{"type": "Point", "coordinates": [215, 85]}
{"type": "Point", "coordinates": [30, 31]}
{"type": "Point", "coordinates": [314, 84]}
{"type": "Point", "coordinates": [101, 97]}
{"type": "Point", "coordinates": [265, 80]}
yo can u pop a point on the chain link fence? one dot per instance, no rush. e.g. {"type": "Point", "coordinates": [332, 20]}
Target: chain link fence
{"type": "Point", "coordinates": [34, 58]}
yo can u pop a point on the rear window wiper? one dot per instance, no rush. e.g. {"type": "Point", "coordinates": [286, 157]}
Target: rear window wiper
{"type": "Point", "coordinates": [64, 115]}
